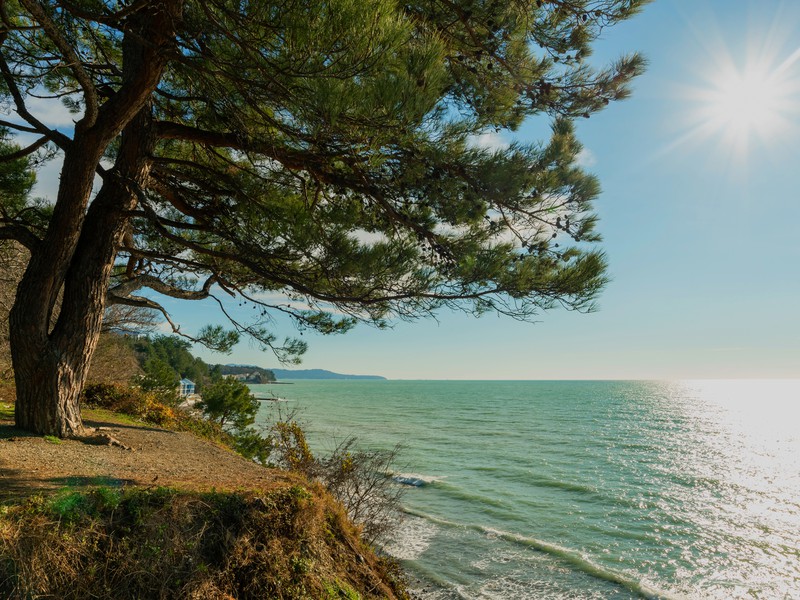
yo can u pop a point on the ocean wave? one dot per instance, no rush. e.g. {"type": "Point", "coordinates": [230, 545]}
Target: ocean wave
{"type": "Point", "coordinates": [584, 564]}
{"type": "Point", "coordinates": [567, 486]}
{"type": "Point", "coordinates": [411, 539]}
{"type": "Point", "coordinates": [414, 479]}
{"type": "Point", "coordinates": [573, 558]}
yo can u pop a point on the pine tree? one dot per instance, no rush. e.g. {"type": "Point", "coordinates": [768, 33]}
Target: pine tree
{"type": "Point", "coordinates": [319, 152]}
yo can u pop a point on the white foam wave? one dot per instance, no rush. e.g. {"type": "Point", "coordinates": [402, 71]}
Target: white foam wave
{"type": "Point", "coordinates": [575, 559]}
{"type": "Point", "coordinates": [588, 566]}
{"type": "Point", "coordinates": [415, 479]}
{"type": "Point", "coordinates": [411, 539]}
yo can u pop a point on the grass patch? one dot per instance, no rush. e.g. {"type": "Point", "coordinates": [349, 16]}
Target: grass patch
{"type": "Point", "coordinates": [52, 439]}
{"type": "Point", "coordinates": [339, 591]}
{"type": "Point", "coordinates": [7, 411]}
{"type": "Point", "coordinates": [104, 414]}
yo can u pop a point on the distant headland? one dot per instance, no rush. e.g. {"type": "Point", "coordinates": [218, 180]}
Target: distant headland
{"type": "Point", "coordinates": [254, 374]}
{"type": "Point", "coordinates": [318, 374]}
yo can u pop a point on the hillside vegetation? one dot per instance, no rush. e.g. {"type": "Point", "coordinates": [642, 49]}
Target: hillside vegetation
{"type": "Point", "coordinates": [289, 542]}
{"type": "Point", "coordinates": [248, 373]}
{"type": "Point", "coordinates": [159, 502]}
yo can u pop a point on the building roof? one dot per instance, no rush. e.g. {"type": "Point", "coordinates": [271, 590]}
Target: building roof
{"type": "Point", "coordinates": [187, 382]}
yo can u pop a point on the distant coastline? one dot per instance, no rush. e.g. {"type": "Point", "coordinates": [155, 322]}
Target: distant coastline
{"type": "Point", "coordinates": [319, 374]}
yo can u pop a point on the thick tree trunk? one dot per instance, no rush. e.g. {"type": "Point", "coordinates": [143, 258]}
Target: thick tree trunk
{"type": "Point", "coordinates": [51, 369]}
{"type": "Point", "coordinates": [51, 361]}
{"type": "Point", "coordinates": [48, 390]}
{"type": "Point", "coordinates": [49, 375]}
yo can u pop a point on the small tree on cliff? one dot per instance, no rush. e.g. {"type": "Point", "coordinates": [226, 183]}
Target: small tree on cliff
{"type": "Point", "coordinates": [320, 152]}
{"type": "Point", "coordinates": [229, 402]}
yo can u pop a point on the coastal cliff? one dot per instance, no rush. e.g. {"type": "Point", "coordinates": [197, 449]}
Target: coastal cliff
{"type": "Point", "coordinates": [164, 514]}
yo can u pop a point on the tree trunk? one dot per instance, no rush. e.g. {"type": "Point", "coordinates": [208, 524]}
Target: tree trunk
{"type": "Point", "coordinates": [48, 390]}
{"type": "Point", "coordinates": [51, 360]}
{"type": "Point", "coordinates": [50, 370]}
{"type": "Point", "coordinates": [48, 375]}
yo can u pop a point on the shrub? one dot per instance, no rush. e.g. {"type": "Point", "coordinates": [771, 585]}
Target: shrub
{"type": "Point", "coordinates": [294, 452]}
{"type": "Point", "coordinates": [357, 478]}
{"type": "Point", "coordinates": [147, 406]}
{"type": "Point", "coordinates": [230, 402]}
{"type": "Point", "coordinates": [160, 379]}
{"type": "Point", "coordinates": [253, 444]}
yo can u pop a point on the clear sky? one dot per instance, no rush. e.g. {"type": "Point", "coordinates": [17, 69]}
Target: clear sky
{"type": "Point", "coordinates": [700, 213]}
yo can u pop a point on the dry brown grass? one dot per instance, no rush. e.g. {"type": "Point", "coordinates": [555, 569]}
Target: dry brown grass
{"type": "Point", "coordinates": [293, 542]}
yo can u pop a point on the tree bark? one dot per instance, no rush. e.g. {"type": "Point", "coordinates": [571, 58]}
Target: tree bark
{"type": "Point", "coordinates": [48, 390]}
{"type": "Point", "coordinates": [48, 376]}
{"type": "Point", "coordinates": [51, 357]}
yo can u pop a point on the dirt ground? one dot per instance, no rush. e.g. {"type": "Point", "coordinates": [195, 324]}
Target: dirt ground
{"type": "Point", "coordinates": [146, 456]}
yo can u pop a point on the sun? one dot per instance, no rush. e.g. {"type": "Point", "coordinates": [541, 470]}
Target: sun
{"type": "Point", "coordinates": [756, 100]}
{"type": "Point", "coordinates": [740, 93]}
{"type": "Point", "coordinates": [747, 102]}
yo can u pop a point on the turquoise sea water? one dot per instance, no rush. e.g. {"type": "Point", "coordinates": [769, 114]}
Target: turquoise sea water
{"type": "Point", "coordinates": [584, 490]}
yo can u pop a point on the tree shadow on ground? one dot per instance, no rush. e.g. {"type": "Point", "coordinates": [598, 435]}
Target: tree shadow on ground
{"type": "Point", "coordinates": [9, 431]}
{"type": "Point", "coordinates": [17, 484]}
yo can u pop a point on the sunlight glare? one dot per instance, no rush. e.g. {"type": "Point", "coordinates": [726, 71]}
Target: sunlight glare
{"type": "Point", "coordinates": [756, 100]}
{"type": "Point", "coordinates": [747, 101]}
{"type": "Point", "coordinates": [745, 93]}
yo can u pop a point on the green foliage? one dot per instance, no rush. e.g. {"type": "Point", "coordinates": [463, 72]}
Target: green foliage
{"type": "Point", "coordinates": [338, 591]}
{"type": "Point", "coordinates": [7, 410]}
{"type": "Point", "coordinates": [258, 374]}
{"type": "Point", "coordinates": [325, 153]}
{"type": "Point", "coordinates": [253, 444]}
{"type": "Point", "coordinates": [171, 352]}
{"type": "Point", "coordinates": [230, 402]}
{"type": "Point", "coordinates": [71, 507]}
{"type": "Point", "coordinates": [16, 176]}
{"type": "Point", "coordinates": [52, 439]}
{"type": "Point", "coordinates": [295, 454]}
{"type": "Point", "coordinates": [217, 338]}
{"type": "Point", "coordinates": [159, 377]}
{"type": "Point", "coordinates": [148, 406]}
{"type": "Point", "coordinates": [165, 360]}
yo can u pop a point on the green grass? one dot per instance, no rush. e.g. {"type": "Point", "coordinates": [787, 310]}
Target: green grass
{"type": "Point", "coordinates": [97, 414]}
{"type": "Point", "coordinates": [52, 439]}
{"type": "Point", "coordinates": [337, 591]}
{"type": "Point", "coordinates": [103, 414]}
{"type": "Point", "coordinates": [7, 411]}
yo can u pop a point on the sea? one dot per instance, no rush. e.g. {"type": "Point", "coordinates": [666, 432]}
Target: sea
{"type": "Point", "coordinates": [579, 489]}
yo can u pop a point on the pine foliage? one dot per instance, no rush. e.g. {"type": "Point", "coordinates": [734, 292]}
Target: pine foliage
{"type": "Point", "coordinates": [322, 159]}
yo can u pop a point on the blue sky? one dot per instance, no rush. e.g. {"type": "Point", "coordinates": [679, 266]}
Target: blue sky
{"type": "Point", "coordinates": [701, 222]}
{"type": "Point", "coordinates": [700, 213]}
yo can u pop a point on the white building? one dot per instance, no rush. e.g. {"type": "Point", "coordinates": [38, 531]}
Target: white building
{"type": "Point", "coordinates": [186, 388]}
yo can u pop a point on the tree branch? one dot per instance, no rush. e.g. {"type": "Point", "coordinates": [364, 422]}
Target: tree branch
{"type": "Point", "coordinates": [61, 140]}
{"type": "Point", "coordinates": [25, 151]}
{"type": "Point", "coordinates": [73, 60]}
{"type": "Point", "coordinates": [18, 127]}
{"type": "Point", "coordinates": [155, 284]}
{"type": "Point", "coordinates": [142, 302]}
{"type": "Point", "coordinates": [20, 234]}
